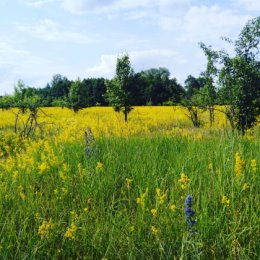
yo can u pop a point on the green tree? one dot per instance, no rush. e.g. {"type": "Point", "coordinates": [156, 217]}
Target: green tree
{"type": "Point", "coordinates": [28, 104]}
{"type": "Point", "coordinates": [118, 91]}
{"type": "Point", "coordinates": [77, 98]}
{"type": "Point", "coordinates": [209, 91]}
{"type": "Point", "coordinates": [193, 85]}
{"type": "Point", "coordinates": [6, 102]}
{"type": "Point", "coordinates": [240, 88]}
{"type": "Point", "coordinates": [60, 86]}
{"type": "Point", "coordinates": [239, 78]}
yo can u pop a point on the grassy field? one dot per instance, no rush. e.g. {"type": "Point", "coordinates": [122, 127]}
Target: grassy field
{"type": "Point", "coordinates": [121, 195]}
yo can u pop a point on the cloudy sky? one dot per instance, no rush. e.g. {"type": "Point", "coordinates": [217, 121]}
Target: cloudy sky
{"type": "Point", "coordinates": [83, 38]}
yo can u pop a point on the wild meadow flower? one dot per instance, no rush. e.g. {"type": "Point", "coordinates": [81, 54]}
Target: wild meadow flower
{"type": "Point", "coordinates": [141, 200]}
{"type": "Point", "coordinates": [64, 190]}
{"type": "Point", "coordinates": [245, 186]}
{"type": "Point", "coordinates": [173, 207]}
{"type": "Point", "coordinates": [15, 175]}
{"type": "Point", "coordinates": [45, 228]}
{"type": "Point", "coordinates": [161, 195]}
{"type": "Point", "coordinates": [43, 167]}
{"type": "Point", "coordinates": [184, 181]}
{"type": "Point", "coordinates": [62, 175]}
{"type": "Point", "coordinates": [99, 166]}
{"type": "Point", "coordinates": [132, 228]}
{"type": "Point", "coordinates": [210, 167]}
{"type": "Point", "coordinates": [154, 212]}
{"type": "Point", "coordinates": [128, 183]}
{"type": "Point", "coordinates": [190, 214]}
{"type": "Point", "coordinates": [154, 230]}
{"type": "Point", "coordinates": [239, 165]}
{"type": "Point", "coordinates": [22, 195]}
{"type": "Point", "coordinates": [253, 165]}
{"type": "Point", "coordinates": [70, 232]}
{"type": "Point", "coordinates": [225, 200]}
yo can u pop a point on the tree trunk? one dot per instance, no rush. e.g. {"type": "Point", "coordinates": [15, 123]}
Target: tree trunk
{"type": "Point", "coordinates": [125, 113]}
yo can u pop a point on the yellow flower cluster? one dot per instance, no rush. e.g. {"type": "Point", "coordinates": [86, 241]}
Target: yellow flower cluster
{"type": "Point", "coordinates": [128, 183]}
{"type": "Point", "coordinates": [239, 165]}
{"type": "Point", "coordinates": [154, 230]}
{"type": "Point", "coordinates": [225, 200]}
{"type": "Point", "coordinates": [253, 165]}
{"type": "Point", "coordinates": [44, 228]}
{"type": "Point", "coordinates": [154, 212]}
{"type": "Point", "coordinates": [184, 181]}
{"type": "Point", "coordinates": [245, 186]}
{"type": "Point", "coordinates": [105, 122]}
{"type": "Point", "coordinates": [161, 195]}
{"type": "Point", "coordinates": [70, 232]}
{"type": "Point", "coordinates": [99, 166]}
{"type": "Point", "coordinates": [141, 200]}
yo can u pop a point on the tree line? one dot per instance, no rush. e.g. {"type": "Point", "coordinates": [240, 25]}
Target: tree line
{"type": "Point", "coordinates": [232, 81]}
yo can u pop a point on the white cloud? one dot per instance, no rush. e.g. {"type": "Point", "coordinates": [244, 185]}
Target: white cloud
{"type": "Point", "coordinates": [251, 5]}
{"type": "Point", "coordinates": [140, 60]}
{"type": "Point", "coordinates": [48, 30]}
{"type": "Point", "coordinates": [16, 63]}
{"type": "Point", "coordinates": [108, 6]}
{"type": "Point", "coordinates": [202, 23]}
{"type": "Point", "coordinates": [37, 3]}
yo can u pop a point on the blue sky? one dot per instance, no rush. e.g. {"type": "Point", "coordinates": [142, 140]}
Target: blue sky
{"type": "Point", "coordinates": [83, 38]}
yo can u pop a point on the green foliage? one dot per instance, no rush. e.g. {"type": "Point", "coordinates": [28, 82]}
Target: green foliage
{"type": "Point", "coordinates": [6, 102]}
{"type": "Point", "coordinates": [119, 89]}
{"type": "Point", "coordinates": [239, 87]}
{"type": "Point", "coordinates": [239, 78]}
{"type": "Point", "coordinates": [28, 104]}
{"type": "Point", "coordinates": [194, 107]}
{"type": "Point", "coordinates": [77, 96]}
{"type": "Point", "coordinates": [102, 203]}
{"type": "Point", "coordinates": [193, 85]}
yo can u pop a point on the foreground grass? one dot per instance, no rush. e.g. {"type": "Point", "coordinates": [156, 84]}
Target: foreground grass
{"type": "Point", "coordinates": [125, 200]}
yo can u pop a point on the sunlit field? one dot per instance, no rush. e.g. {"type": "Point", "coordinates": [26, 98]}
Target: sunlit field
{"type": "Point", "coordinates": [119, 191]}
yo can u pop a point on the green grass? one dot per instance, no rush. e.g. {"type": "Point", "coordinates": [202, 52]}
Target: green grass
{"type": "Point", "coordinates": [110, 223]}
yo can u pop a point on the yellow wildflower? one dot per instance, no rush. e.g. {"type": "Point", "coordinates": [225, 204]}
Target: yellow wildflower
{"type": "Point", "coordinates": [64, 190]}
{"type": "Point", "coordinates": [63, 176]}
{"type": "Point", "coordinates": [173, 207]}
{"type": "Point", "coordinates": [22, 195]}
{"type": "Point", "coordinates": [141, 199]}
{"type": "Point", "coordinates": [154, 231]}
{"type": "Point", "coordinates": [15, 175]}
{"type": "Point", "coordinates": [161, 195]}
{"type": "Point", "coordinates": [99, 166]}
{"type": "Point", "coordinates": [239, 165]}
{"type": "Point", "coordinates": [70, 232]}
{"type": "Point", "coordinates": [245, 186]}
{"type": "Point", "coordinates": [43, 167]}
{"type": "Point", "coordinates": [132, 228]}
{"type": "Point", "coordinates": [74, 215]}
{"type": "Point", "coordinates": [154, 212]}
{"type": "Point", "coordinates": [37, 216]}
{"type": "Point", "coordinates": [253, 165]}
{"type": "Point", "coordinates": [128, 183]}
{"type": "Point", "coordinates": [184, 181]}
{"type": "Point", "coordinates": [225, 200]}
{"type": "Point", "coordinates": [45, 228]}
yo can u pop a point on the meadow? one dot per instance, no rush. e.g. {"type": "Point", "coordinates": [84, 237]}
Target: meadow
{"type": "Point", "coordinates": [119, 191]}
